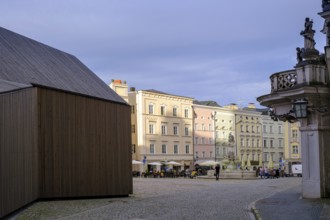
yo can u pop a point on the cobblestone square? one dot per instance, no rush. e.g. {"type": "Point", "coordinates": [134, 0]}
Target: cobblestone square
{"type": "Point", "coordinates": [157, 198]}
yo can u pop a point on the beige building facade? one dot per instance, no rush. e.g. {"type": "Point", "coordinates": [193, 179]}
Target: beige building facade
{"type": "Point", "coordinates": [163, 128]}
{"type": "Point", "coordinates": [225, 133]}
{"type": "Point", "coordinates": [120, 87]}
{"type": "Point", "coordinates": [273, 141]}
{"type": "Point", "coordinates": [249, 136]}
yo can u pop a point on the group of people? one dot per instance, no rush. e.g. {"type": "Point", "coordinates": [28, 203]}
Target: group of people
{"type": "Point", "coordinates": [266, 173]}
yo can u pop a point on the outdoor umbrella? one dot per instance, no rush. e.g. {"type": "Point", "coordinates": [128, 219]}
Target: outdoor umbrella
{"type": "Point", "coordinates": [173, 163]}
{"type": "Point", "coordinates": [136, 162]}
{"type": "Point", "coordinates": [209, 163]}
{"type": "Point", "coordinates": [155, 163]}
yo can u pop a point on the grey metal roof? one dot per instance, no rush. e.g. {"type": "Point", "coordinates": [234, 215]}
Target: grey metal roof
{"type": "Point", "coordinates": [6, 86]}
{"type": "Point", "coordinates": [26, 61]}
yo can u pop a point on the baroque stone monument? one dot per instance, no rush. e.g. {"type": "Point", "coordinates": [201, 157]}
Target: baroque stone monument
{"type": "Point", "coordinates": [303, 94]}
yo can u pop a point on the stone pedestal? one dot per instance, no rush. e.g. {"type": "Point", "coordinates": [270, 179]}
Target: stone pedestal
{"type": "Point", "coordinates": [315, 137]}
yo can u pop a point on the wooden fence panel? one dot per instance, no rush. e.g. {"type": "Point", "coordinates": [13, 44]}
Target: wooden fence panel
{"type": "Point", "coordinates": [19, 173]}
{"type": "Point", "coordinates": [86, 146]}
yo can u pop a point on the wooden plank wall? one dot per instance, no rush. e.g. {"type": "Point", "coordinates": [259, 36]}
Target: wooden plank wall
{"type": "Point", "coordinates": [85, 145]}
{"type": "Point", "coordinates": [19, 173]}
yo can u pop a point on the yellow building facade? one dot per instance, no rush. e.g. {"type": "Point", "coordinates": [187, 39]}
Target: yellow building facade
{"type": "Point", "coordinates": [292, 145]}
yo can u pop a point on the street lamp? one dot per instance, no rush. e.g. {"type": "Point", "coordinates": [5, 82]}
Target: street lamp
{"type": "Point", "coordinates": [300, 108]}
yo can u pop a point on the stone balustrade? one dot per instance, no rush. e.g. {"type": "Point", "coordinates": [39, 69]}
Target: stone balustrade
{"type": "Point", "coordinates": [283, 80]}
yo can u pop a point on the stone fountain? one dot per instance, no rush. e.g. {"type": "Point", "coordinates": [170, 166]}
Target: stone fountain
{"type": "Point", "coordinates": [232, 170]}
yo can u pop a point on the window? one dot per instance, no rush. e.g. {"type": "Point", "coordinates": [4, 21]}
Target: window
{"type": "Point", "coordinates": [247, 143]}
{"type": "Point", "coordinates": [242, 142]}
{"type": "Point", "coordinates": [211, 154]}
{"type": "Point", "coordinates": [266, 156]}
{"type": "Point", "coordinates": [187, 149]}
{"type": "Point", "coordinates": [264, 128]}
{"type": "Point", "coordinates": [224, 151]}
{"type": "Point", "coordinates": [203, 154]}
{"type": "Point", "coordinates": [132, 109]}
{"type": "Point", "coordinates": [196, 140]}
{"type": "Point", "coordinates": [295, 149]}
{"type": "Point", "coordinates": [186, 113]}
{"type": "Point", "coordinates": [203, 140]}
{"type": "Point", "coordinates": [151, 129]}
{"type": "Point", "coordinates": [217, 150]}
{"type": "Point", "coordinates": [210, 141]}
{"type": "Point", "coordinates": [210, 127]}
{"type": "Point", "coordinates": [281, 156]}
{"type": "Point", "coordinates": [151, 109]}
{"type": "Point", "coordinates": [280, 129]}
{"type": "Point", "coordinates": [175, 113]}
{"type": "Point", "coordinates": [280, 143]}
{"type": "Point", "coordinates": [175, 149]}
{"type": "Point", "coordinates": [175, 130]}
{"type": "Point", "coordinates": [258, 142]}
{"type": "Point", "coordinates": [163, 148]}
{"type": "Point", "coordinates": [162, 110]}
{"type": "Point", "coordinates": [257, 129]}
{"type": "Point", "coordinates": [152, 148]}
{"type": "Point", "coordinates": [196, 154]}
{"type": "Point", "coordinates": [294, 133]}
{"type": "Point", "coordinates": [247, 128]}
{"type": "Point", "coordinates": [271, 129]}
{"type": "Point", "coordinates": [164, 130]}
{"type": "Point", "coordinates": [271, 143]}
{"type": "Point", "coordinates": [241, 128]}
{"type": "Point", "coordinates": [265, 143]}
{"type": "Point", "coordinates": [252, 142]}
{"type": "Point", "coordinates": [252, 129]}
{"type": "Point", "coordinates": [133, 128]}
{"type": "Point", "coordinates": [203, 127]}
{"type": "Point", "coordinates": [186, 131]}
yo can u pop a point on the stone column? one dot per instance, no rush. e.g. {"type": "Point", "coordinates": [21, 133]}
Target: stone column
{"type": "Point", "coordinates": [315, 144]}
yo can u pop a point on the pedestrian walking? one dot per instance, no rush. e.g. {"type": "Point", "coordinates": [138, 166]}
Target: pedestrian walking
{"type": "Point", "coordinates": [262, 172]}
{"type": "Point", "coordinates": [217, 171]}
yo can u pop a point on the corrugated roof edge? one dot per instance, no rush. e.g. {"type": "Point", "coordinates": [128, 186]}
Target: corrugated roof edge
{"type": "Point", "coordinates": [81, 94]}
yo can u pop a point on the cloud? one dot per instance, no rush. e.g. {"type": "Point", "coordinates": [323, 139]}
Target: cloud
{"type": "Point", "coordinates": [220, 50]}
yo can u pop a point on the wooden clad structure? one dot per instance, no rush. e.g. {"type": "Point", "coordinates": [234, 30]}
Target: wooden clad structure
{"type": "Point", "coordinates": [63, 132]}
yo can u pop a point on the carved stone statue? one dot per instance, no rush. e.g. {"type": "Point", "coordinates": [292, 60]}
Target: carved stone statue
{"type": "Point", "coordinates": [299, 55]}
{"type": "Point", "coordinates": [308, 25]}
{"type": "Point", "coordinates": [308, 34]}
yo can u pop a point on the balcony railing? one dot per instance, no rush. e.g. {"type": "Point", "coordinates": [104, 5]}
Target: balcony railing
{"type": "Point", "coordinates": [283, 80]}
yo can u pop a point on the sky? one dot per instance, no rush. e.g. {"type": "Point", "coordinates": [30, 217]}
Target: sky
{"type": "Point", "coordinates": [220, 50]}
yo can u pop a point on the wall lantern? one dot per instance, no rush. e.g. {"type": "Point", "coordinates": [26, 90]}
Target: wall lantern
{"type": "Point", "coordinates": [300, 108]}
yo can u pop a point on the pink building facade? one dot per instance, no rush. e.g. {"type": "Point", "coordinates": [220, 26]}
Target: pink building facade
{"type": "Point", "coordinates": [204, 133]}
